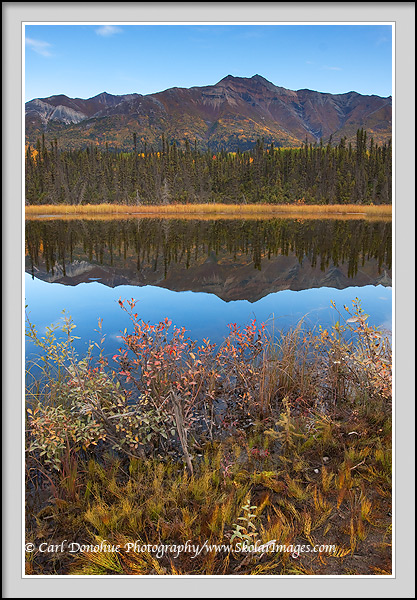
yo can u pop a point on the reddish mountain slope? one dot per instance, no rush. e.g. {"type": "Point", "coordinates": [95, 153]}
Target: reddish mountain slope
{"type": "Point", "coordinates": [232, 114]}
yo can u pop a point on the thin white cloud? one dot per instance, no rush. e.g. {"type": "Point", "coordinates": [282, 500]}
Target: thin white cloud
{"type": "Point", "coordinates": [39, 46]}
{"type": "Point", "coordinates": [108, 30]}
{"type": "Point", "coordinates": [382, 40]}
{"type": "Point", "coordinates": [326, 68]}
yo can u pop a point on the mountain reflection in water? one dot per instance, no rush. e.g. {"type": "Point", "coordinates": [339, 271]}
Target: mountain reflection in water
{"type": "Point", "coordinates": [204, 274]}
{"type": "Point", "coordinates": [233, 259]}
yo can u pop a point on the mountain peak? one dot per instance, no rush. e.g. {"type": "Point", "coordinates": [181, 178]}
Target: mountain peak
{"type": "Point", "coordinates": [226, 79]}
{"type": "Point", "coordinates": [260, 78]}
{"type": "Point", "coordinates": [234, 78]}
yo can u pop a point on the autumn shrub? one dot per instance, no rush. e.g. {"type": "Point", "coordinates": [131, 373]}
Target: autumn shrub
{"type": "Point", "coordinates": [169, 394]}
{"type": "Point", "coordinates": [183, 380]}
{"type": "Point", "coordinates": [80, 403]}
{"type": "Point", "coordinates": [358, 357]}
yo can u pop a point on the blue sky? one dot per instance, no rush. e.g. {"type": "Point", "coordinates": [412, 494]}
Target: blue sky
{"type": "Point", "coordinates": [84, 60]}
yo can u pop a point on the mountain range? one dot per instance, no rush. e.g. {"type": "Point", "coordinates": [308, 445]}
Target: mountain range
{"type": "Point", "coordinates": [232, 114]}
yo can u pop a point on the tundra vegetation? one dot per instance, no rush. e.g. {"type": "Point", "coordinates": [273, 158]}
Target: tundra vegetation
{"type": "Point", "coordinates": [283, 437]}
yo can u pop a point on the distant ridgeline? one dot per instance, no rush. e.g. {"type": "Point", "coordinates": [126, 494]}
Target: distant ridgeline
{"type": "Point", "coordinates": [231, 114]}
{"type": "Point", "coordinates": [344, 173]}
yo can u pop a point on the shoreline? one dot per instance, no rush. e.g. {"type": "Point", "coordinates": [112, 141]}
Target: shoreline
{"type": "Point", "coordinates": [211, 209]}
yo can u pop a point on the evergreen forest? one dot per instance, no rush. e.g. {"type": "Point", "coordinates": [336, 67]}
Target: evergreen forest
{"type": "Point", "coordinates": [342, 173]}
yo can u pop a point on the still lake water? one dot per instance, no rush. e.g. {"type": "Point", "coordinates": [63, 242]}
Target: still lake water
{"type": "Point", "coordinates": [204, 274]}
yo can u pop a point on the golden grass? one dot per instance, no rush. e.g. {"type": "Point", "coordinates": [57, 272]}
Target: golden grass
{"type": "Point", "coordinates": [212, 209]}
{"type": "Point", "coordinates": [344, 506]}
{"type": "Point", "coordinates": [204, 217]}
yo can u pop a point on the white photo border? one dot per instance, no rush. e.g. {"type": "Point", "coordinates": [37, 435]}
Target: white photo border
{"type": "Point", "coordinates": [401, 583]}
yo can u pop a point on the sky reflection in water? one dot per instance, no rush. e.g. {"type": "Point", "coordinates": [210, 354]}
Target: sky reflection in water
{"type": "Point", "coordinates": [203, 315]}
